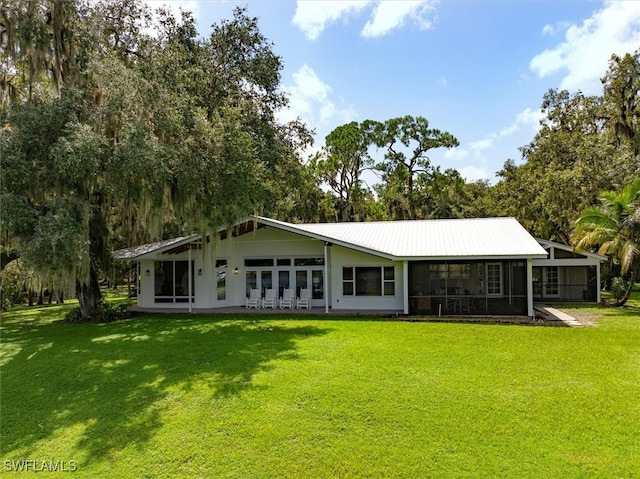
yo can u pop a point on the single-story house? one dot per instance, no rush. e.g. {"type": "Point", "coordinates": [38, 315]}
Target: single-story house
{"type": "Point", "coordinates": [484, 266]}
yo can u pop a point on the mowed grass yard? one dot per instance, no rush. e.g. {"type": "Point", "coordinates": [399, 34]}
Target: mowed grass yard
{"type": "Point", "coordinates": [285, 396]}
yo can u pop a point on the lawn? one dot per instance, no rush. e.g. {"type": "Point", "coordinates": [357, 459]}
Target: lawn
{"type": "Point", "coordinates": [278, 396]}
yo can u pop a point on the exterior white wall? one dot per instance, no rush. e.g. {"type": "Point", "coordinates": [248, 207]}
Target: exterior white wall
{"type": "Point", "coordinates": [145, 293]}
{"type": "Point", "coordinates": [263, 243]}
{"type": "Point", "coordinates": [341, 257]}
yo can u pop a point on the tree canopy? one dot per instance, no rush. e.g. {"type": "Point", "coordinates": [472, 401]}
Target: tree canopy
{"type": "Point", "coordinates": [112, 131]}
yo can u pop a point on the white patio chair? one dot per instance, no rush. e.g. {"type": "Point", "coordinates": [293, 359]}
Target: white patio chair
{"type": "Point", "coordinates": [253, 301]}
{"type": "Point", "coordinates": [288, 295]}
{"type": "Point", "coordinates": [269, 300]}
{"type": "Point", "coordinates": [304, 301]}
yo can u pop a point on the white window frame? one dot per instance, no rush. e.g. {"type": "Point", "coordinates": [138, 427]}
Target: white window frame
{"type": "Point", "coordinates": [383, 282]}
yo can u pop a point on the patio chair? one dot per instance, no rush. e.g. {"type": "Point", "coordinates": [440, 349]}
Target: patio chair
{"type": "Point", "coordinates": [269, 300]}
{"type": "Point", "coordinates": [304, 301]}
{"type": "Point", "coordinates": [253, 301]}
{"type": "Point", "coordinates": [288, 295]}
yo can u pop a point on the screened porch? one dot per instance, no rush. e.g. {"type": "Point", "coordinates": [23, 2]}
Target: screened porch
{"type": "Point", "coordinates": [468, 288]}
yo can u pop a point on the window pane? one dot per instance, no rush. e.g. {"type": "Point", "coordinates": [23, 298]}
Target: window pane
{"type": "Point", "coordinates": [221, 263]}
{"type": "Point", "coordinates": [283, 262]}
{"type": "Point", "coordinates": [347, 274]}
{"type": "Point", "coordinates": [251, 281]}
{"type": "Point", "coordinates": [389, 272]}
{"type": "Point", "coordinates": [301, 281]}
{"type": "Point", "coordinates": [163, 276]}
{"type": "Point", "coordinates": [308, 261]}
{"type": "Point", "coordinates": [255, 263]}
{"type": "Point", "coordinates": [317, 284]}
{"type": "Point", "coordinates": [182, 278]}
{"type": "Point", "coordinates": [283, 281]}
{"type": "Point", "coordinates": [347, 288]}
{"type": "Point", "coordinates": [369, 281]}
{"type": "Point", "coordinates": [265, 281]}
{"type": "Point", "coordinates": [221, 285]}
{"type": "Point", "coordinates": [389, 288]}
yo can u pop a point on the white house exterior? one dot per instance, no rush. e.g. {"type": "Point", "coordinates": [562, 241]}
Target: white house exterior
{"type": "Point", "coordinates": [467, 266]}
{"type": "Point", "coordinates": [565, 275]}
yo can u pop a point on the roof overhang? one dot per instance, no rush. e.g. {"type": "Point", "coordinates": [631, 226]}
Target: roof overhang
{"type": "Point", "coordinates": [170, 246]}
{"type": "Point", "coordinates": [568, 248]}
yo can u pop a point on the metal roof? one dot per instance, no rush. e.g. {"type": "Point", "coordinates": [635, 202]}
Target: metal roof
{"type": "Point", "coordinates": [417, 239]}
{"type": "Point", "coordinates": [570, 249]}
{"type": "Point", "coordinates": [138, 251]}
{"type": "Point", "coordinates": [428, 239]}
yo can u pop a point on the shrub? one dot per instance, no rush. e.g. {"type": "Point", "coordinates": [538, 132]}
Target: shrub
{"type": "Point", "coordinates": [14, 279]}
{"type": "Point", "coordinates": [618, 288]}
{"type": "Point", "coordinates": [106, 313]}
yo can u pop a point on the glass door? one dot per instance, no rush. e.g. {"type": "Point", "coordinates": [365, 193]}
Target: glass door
{"type": "Point", "coordinates": [551, 286]}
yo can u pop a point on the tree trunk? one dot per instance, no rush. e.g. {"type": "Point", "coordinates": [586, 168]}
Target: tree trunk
{"type": "Point", "coordinates": [89, 296]}
{"type": "Point", "coordinates": [627, 293]}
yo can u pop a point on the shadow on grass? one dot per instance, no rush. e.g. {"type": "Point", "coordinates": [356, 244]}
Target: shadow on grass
{"type": "Point", "coordinates": [109, 385]}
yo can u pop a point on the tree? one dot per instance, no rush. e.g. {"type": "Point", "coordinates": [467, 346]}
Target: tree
{"type": "Point", "coordinates": [340, 165]}
{"type": "Point", "coordinates": [406, 142]}
{"type": "Point", "coordinates": [137, 131]}
{"type": "Point", "coordinates": [571, 158]}
{"type": "Point", "coordinates": [621, 93]}
{"type": "Point", "coordinates": [615, 228]}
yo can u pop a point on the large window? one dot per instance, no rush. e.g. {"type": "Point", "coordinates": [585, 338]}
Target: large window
{"type": "Point", "coordinates": [368, 281]}
{"type": "Point", "coordinates": [172, 281]}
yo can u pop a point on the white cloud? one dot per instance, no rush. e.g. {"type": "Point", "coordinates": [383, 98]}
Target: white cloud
{"type": "Point", "coordinates": [475, 155]}
{"type": "Point", "coordinates": [585, 52]}
{"type": "Point", "coordinates": [313, 16]}
{"type": "Point", "coordinates": [550, 30]}
{"type": "Point", "coordinates": [391, 14]}
{"type": "Point", "coordinates": [313, 101]}
{"type": "Point", "coordinates": [473, 173]}
{"type": "Point", "coordinates": [456, 154]}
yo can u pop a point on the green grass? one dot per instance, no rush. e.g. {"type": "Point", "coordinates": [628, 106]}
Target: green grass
{"type": "Point", "coordinates": [272, 396]}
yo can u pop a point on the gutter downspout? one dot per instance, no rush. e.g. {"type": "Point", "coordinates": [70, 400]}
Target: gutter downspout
{"type": "Point", "coordinates": [190, 272]}
{"type": "Point", "coordinates": [326, 277]}
{"type": "Point", "coordinates": [530, 287]}
{"type": "Point", "coordinates": [405, 280]}
{"type": "Point", "coordinates": [598, 284]}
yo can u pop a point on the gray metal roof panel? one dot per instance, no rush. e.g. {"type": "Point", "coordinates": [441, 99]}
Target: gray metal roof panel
{"type": "Point", "coordinates": [138, 251]}
{"type": "Point", "coordinates": [473, 237]}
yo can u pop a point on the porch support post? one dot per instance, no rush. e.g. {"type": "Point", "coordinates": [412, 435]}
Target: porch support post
{"type": "Point", "coordinates": [325, 279]}
{"type": "Point", "coordinates": [598, 285]}
{"type": "Point", "coordinates": [530, 287]}
{"type": "Point", "coordinates": [190, 272]}
{"type": "Point", "coordinates": [405, 281]}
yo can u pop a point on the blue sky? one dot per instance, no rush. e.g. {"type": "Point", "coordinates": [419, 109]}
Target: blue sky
{"type": "Point", "coordinates": [477, 69]}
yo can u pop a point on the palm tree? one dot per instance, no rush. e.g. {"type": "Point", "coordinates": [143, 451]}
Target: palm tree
{"type": "Point", "coordinates": [615, 229]}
